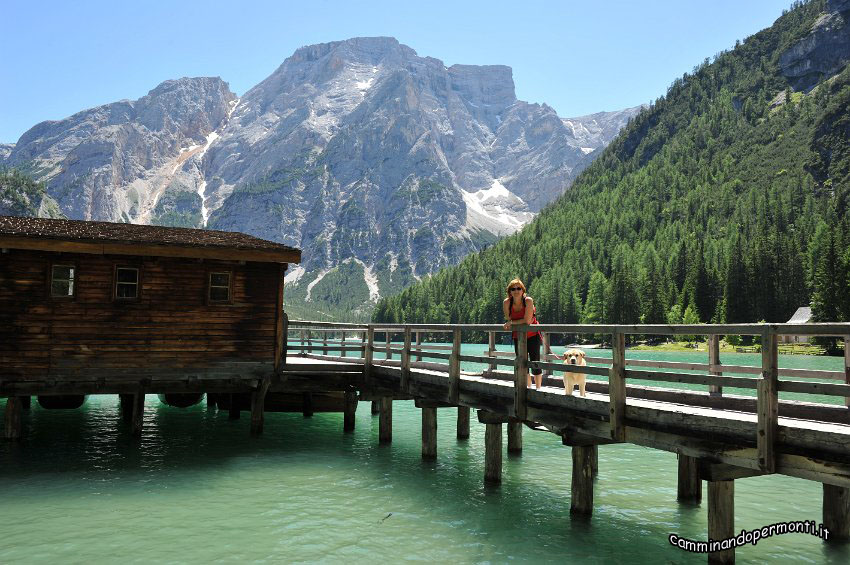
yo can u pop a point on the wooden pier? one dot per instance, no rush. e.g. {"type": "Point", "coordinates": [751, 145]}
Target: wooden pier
{"type": "Point", "coordinates": [718, 437]}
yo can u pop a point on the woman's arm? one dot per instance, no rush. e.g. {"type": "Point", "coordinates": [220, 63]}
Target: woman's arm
{"type": "Point", "coordinates": [529, 311]}
{"type": "Point", "coordinates": [505, 310]}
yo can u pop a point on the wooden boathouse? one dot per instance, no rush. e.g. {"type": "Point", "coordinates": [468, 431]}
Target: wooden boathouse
{"type": "Point", "coordinates": [98, 307]}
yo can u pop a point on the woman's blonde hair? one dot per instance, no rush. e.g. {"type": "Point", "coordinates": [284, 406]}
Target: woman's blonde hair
{"type": "Point", "coordinates": [514, 283]}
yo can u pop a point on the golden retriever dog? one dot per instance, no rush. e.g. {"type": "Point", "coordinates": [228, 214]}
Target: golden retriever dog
{"type": "Point", "coordinates": [574, 357]}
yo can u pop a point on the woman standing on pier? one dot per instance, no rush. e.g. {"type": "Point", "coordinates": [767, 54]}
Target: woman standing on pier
{"type": "Point", "coordinates": [519, 309]}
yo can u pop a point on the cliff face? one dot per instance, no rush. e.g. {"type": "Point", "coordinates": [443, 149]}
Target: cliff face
{"type": "Point", "coordinates": [359, 152]}
{"type": "Point", "coordinates": [823, 52]}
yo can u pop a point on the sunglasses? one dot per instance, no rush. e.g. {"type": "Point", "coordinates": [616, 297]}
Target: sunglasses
{"type": "Point", "coordinates": [513, 288]}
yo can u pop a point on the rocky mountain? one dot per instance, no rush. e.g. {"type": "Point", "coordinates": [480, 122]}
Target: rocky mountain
{"type": "Point", "coordinates": [383, 166]}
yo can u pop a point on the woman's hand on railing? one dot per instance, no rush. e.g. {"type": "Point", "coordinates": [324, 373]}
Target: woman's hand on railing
{"type": "Point", "coordinates": [507, 325]}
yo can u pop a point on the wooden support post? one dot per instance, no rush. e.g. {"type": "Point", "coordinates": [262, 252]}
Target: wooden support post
{"type": "Point", "coordinates": [418, 344]}
{"type": "Point", "coordinates": [350, 409]}
{"type": "Point", "coordinates": [594, 460]}
{"type": "Point", "coordinates": [125, 407]}
{"type": "Point", "coordinates": [258, 405]}
{"type": "Point", "coordinates": [617, 387]}
{"type": "Point", "coordinates": [138, 413]}
{"type": "Point", "coordinates": [13, 427]}
{"type": "Point", "coordinates": [307, 404]}
{"type": "Point", "coordinates": [234, 411]}
{"type": "Point", "coordinates": [581, 487]}
{"type": "Point", "coordinates": [388, 338]}
{"type": "Point", "coordinates": [405, 361]}
{"type": "Point", "coordinates": [342, 352]}
{"type": "Point", "coordinates": [429, 433]}
{"type": "Point", "coordinates": [284, 347]}
{"type": "Point", "coordinates": [325, 343]}
{"type": "Point", "coordinates": [836, 512]}
{"type": "Point", "coordinates": [385, 420]}
{"type": "Point", "coordinates": [721, 518]}
{"type": "Point", "coordinates": [463, 422]}
{"type": "Point", "coordinates": [364, 340]}
{"type": "Point", "coordinates": [847, 367]}
{"type": "Point", "coordinates": [26, 402]}
{"type": "Point", "coordinates": [714, 361]}
{"type": "Point", "coordinates": [368, 354]}
{"type": "Point", "coordinates": [493, 453]}
{"type": "Point", "coordinates": [690, 485]}
{"type": "Point", "coordinates": [212, 400]}
{"type": "Point", "coordinates": [768, 403]}
{"type": "Point", "coordinates": [547, 349]}
{"type": "Point", "coordinates": [521, 377]}
{"type": "Point", "coordinates": [454, 368]}
{"type": "Point", "coordinates": [375, 408]}
{"type": "Point", "coordinates": [491, 348]}
{"type": "Point", "coordinates": [514, 437]}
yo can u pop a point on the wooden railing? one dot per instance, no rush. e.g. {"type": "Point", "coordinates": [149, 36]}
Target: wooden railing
{"type": "Point", "coordinates": [315, 337]}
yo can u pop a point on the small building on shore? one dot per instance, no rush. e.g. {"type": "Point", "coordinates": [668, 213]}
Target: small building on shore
{"type": "Point", "coordinates": [803, 315]}
{"type": "Point", "coordinates": [97, 306]}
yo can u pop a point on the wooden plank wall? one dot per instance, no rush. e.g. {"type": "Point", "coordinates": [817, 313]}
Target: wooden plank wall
{"type": "Point", "coordinates": [170, 325]}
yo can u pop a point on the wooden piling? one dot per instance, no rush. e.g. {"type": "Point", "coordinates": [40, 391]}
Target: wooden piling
{"type": "Point", "coordinates": [689, 485]}
{"type": "Point", "coordinates": [212, 401]}
{"type": "Point", "coordinates": [375, 408]}
{"type": "Point", "coordinates": [581, 486]}
{"type": "Point", "coordinates": [493, 453]}
{"type": "Point", "coordinates": [463, 422]}
{"type": "Point", "coordinates": [594, 460]}
{"type": "Point", "coordinates": [721, 518]}
{"type": "Point", "coordinates": [429, 433]}
{"type": "Point", "coordinates": [514, 437]}
{"type": "Point", "coordinates": [258, 402]}
{"type": "Point", "coordinates": [307, 405]}
{"type": "Point", "coordinates": [836, 512]}
{"type": "Point", "coordinates": [13, 427]}
{"type": "Point", "coordinates": [26, 402]}
{"type": "Point", "coordinates": [125, 402]}
{"type": "Point", "coordinates": [234, 411]}
{"type": "Point", "coordinates": [385, 420]}
{"type": "Point", "coordinates": [350, 410]}
{"type": "Point", "coordinates": [138, 413]}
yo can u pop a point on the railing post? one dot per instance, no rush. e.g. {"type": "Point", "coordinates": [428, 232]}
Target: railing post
{"type": "Point", "coordinates": [310, 340]}
{"type": "Point", "coordinates": [768, 402]}
{"type": "Point", "coordinates": [418, 345]}
{"type": "Point", "coordinates": [342, 351]}
{"type": "Point", "coordinates": [847, 367]}
{"type": "Point", "coordinates": [405, 361]}
{"type": "Point", "coordinates": [363, 341]}
{"type": "Point", "coordinates": [387, 335]}
{"type": "Point", "coordinates": [617, 386]}
{"type": "Point", "coordinates": [285, 333]}
{"type": "Point", "coordinates": [714, 361]}
{"type": "Point", "coordinates": [324, 342]}
{"type": "Point", "coordinates": [303, 340]}
{"type": "Point", "coordinates": [454, 368]}
{"type": "Point", "coordinates": [521, 376]}
{"type": "Point", "coordinates": [491, 348]}
{"type": "Point", "coordinates": [369, 351]}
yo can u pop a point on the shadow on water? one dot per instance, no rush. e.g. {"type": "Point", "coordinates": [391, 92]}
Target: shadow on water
{"type": "Point", "coordinates": [527, 517]}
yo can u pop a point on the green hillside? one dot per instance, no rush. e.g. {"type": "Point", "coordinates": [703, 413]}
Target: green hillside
{"type": "Point", "coordinates": [719, 203]}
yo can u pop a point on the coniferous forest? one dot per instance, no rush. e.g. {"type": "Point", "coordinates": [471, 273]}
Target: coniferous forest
{"type": "Point", "coordinates": [725, 201]}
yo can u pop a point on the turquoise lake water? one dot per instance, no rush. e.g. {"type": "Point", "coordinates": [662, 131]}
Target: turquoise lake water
{"type": "Point", "coordinates": [196, 488]}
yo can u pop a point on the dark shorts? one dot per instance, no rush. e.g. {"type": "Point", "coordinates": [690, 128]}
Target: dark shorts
{"type": "Point", "coordinates": [533, 353]}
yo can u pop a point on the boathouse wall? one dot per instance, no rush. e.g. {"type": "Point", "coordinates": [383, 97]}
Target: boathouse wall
{"type": "Point", "coordinates": [171, 324]}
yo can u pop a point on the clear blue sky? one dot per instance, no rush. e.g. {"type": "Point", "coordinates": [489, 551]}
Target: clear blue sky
{"type": "Point", "coordinates": [579, 57]}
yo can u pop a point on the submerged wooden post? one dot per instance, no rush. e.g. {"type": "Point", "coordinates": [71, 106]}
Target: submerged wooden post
{"type": "Point", "coordinates": [350, 409]}
{"type": "Point", "coordinates": [493, 453]}
{"type": "Point", "coordinates": [491, 348]}
{"type": "Point", "coordinates": [721, 518]}
{"type": "Point", "coordinates": [689, 485]}
{"type": "Point", "coordinates": [385, 420]}
{"type": "Point", "coordinates": [514, 437]}
{"type": "Point", "coordinates": [617, 387]}
{"type": "Point", "coordinates": [581, 487]}
{"type": "Point", "coordinates": [521, 376]}
{"type": "Point", "coordinates": [429, 432]}
{"type": "Point", "coordinates": [234, 411]}
{"type": "Point", "coordinates": [405, 361]}
{"type": "Point", "coordinates": [307, 404]}
{"type": "Point", "coordinates": [714, 361]}
{"type": "Point", "coordinates": [258, 401]}
{"type": "Point", "coordinates": [12, 430]}
{"type": "Point", "coordinates": [138, 413]}
{"type": "Point", "coordinates": [125, 402]}
{"type": "Point", "coordinates": [463, 422]}
{"type": "Point", "coordinates": [768, 403]}
{"type": "Point", "coordinates": [836, 512]}
{"type": "Point", "coordinates": [454, 368]}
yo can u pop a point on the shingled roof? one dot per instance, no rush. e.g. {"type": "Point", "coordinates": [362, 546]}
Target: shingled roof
{"type": "Point", "coordinates": [107, 238]}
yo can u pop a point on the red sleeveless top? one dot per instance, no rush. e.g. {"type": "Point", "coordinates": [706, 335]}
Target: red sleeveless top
{"type": "Point", "coordinates": [520, 314]}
